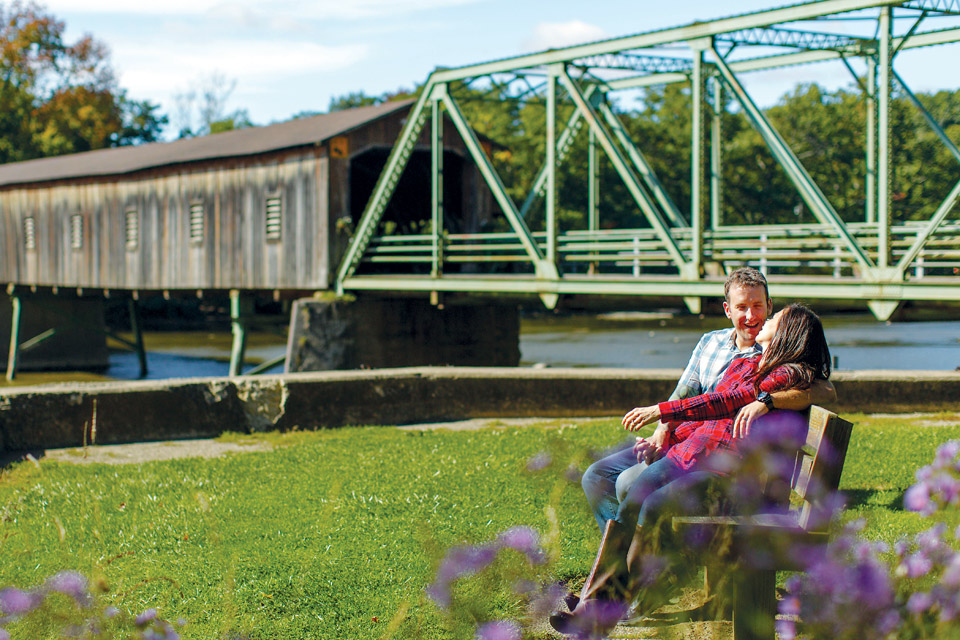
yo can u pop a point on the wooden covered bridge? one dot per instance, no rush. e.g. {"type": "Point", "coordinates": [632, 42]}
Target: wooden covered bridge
{"type": "Point", "coordinates": [265, 211]}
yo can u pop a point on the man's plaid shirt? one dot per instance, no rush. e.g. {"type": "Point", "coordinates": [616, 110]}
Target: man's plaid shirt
{"type": "Point", "coordinates": [709, 417]}
{"type": "Point", "coordinates": [711, 357]}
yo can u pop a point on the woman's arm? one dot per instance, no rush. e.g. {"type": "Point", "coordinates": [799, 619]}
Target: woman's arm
{"type": "Point", "coordinates": [723, 404]}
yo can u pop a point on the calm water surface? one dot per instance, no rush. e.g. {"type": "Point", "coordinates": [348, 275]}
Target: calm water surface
{"type": "Point", "coordinates": [621, 340]}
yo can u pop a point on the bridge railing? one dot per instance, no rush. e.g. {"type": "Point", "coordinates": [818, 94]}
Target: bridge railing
{"type": "Point", "coordinates": [800, 248]}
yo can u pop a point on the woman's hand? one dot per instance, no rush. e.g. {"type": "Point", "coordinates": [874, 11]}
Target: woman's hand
{"type": "Point", "coordinates": [744, 420]}
{"type": "Point", "coordinates": [640, 416]}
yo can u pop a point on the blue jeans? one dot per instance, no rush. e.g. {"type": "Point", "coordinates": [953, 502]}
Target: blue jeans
{"type": "Point", "coordinates": [600, 482]}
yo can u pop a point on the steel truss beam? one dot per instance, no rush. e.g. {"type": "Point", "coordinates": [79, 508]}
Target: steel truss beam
{"type": "Point", "coordinates": [937, 6]}
{"type": "Point", "coordinates": [808, 189]}
{"type": "Point", "coordinates": [774, 37]}
{"type": "Point", "coordinates": [647, 206]}
{"type": "Point", "coordinates": [588, 73]}
{"type": "Point", "coordinates": [634, 62]}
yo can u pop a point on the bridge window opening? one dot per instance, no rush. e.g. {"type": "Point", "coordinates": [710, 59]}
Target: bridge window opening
{"type": "Point", "coordinates": [29, 233]}
{"type": "Point", "coordinates": [76, 231]}
{"type": "Point", "coordinates": [274, 217]}
{"type": "Point", "coordinates": [131, 221]}
{"type": "Point", "coordinates": [196, 222]}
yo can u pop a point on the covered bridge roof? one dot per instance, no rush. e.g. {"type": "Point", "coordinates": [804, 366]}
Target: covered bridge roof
{"type": "Point", "coordinates": [229, 144]}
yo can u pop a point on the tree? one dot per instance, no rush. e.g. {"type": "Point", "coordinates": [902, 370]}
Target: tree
{"type": "Point", "coordinates": [57, 97]}
{"type": "Point", "coordinates": [201, 109]}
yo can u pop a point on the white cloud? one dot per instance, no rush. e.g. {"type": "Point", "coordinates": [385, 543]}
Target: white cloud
{"type": "Point", "coordinates": [555, 35]}
{"type": "Point", "coordinates": [152, 69]}
{"type": "Point", "coordinates": [286, 9]}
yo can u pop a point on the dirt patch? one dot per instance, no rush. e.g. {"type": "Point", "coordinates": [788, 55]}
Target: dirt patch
{"type": "Point", "coordinates": [138, 452]}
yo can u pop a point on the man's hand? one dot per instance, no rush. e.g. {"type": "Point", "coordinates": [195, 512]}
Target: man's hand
{"type": "Point", "coordinates": [640, 416]}
{"type": "Point", "coordinates": [644, 450]}
{"type": "Point", "coordinates": [744, 420]}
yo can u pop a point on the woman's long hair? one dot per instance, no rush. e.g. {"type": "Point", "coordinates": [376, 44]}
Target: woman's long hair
{"type": "Point", "coordinates": [799, 345]}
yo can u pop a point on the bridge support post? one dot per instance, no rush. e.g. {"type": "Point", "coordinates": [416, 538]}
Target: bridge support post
{"type": "Point", "coordinates": [14, 353]}
{"type": "Point", "coordinates": [716, 154]}
{"type": "Point", "coordinates": [885, 55]}
{"type": "Point", "coordinates": [241, 308]}
{"type": "Point", "coordinates": [436, 186]}
{"type": "Point", "coordinates": [136, 328]}
{"type": "Point", "coordinates": [871, 160]}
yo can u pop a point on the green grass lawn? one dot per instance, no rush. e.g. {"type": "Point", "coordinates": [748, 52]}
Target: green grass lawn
{"type": "Point", "coordinates": [335, 534]}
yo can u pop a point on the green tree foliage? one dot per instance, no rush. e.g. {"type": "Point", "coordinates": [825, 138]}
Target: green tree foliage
{"type": "Point", "coordinates": [826, 130]}
{"type": "Point", "coordinates": [58, 97]}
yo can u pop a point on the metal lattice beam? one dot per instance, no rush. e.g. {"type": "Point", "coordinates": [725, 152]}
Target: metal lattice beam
{"type": "Point", "coordinates": [773, 37]}
{"type": "Point", "coordinates": [938, 6]}
{"type": "Point", "coordinates": [634, 62]}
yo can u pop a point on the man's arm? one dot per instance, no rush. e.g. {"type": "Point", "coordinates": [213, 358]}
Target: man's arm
{"type": "Point", "coordinates": [821, 392]}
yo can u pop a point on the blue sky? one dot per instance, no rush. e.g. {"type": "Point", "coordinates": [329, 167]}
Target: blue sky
{"type": "Point", "coordinates": [288, 56]}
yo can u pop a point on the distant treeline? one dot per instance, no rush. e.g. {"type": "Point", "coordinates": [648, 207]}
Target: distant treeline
{"type": "Point", "coordinates": [826, 130]}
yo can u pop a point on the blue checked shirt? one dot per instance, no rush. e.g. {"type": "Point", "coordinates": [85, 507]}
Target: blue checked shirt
{"type": "Point", "coordinates": [713, 354]}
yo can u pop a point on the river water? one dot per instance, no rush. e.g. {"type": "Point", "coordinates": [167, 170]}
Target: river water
{"type": "Point", "coordinates": [619, 340]}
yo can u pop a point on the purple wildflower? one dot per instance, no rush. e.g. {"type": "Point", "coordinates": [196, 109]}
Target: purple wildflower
{"type": "Point", "coordinates": [919, 602]}
{"type": "Point", "coordinates": [573, 474]}
{"type": "Point", "coordinates": [547, 600]}
{"type": "Point", "coordinates": [15, 602]}
{"type": "Point", "coordinates": [4, 635]}
{"type": "Point", "coordinates": [72, 584]}
{"type": "Point", "coordinates": [915, 565]}
{"type": "Point", "coordinates": [461, 560]}
{"type": "Point", "coordinates": [498, 630]}
{"type": "Point", "coordinates": [651, 569]}
{"type": "Point", "coordinates": [525, 540]}
{"type": "Point", "coordinates": [951, 574]}
{"type": "Point", "coordinates": [597, 617]}
{"type": "Point", "coordinates": [786, 629]}
{"type": "Point", "coordinates": [145, 617]}
{"type": "Point", "coordinates": [917, 498]}
{"type": "Point", "coordinates": [111, 612]}
{"type": "Point", "coordinates": [539, 462]}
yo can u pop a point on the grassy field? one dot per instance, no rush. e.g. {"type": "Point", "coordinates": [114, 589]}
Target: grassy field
{"type": "Point", "coordinates": [335, 534]}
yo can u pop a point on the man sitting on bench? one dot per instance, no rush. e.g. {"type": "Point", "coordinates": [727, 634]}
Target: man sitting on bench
{"type": "Point", "coordinates": [795, 355]}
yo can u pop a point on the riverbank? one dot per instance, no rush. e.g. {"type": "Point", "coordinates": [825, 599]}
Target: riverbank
{"type": "Point", "coordinates": [71, 415]}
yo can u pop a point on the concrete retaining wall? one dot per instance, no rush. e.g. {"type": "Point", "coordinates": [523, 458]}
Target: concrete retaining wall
{"type": "Point", "coordinates": [62, 415]}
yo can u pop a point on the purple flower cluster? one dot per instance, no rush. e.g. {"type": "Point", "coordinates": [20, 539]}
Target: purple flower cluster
{"type": "Point", "coordinates": [845, 592]}
{"type": "Point", "coordinates": [17, 603]}
{"type": "Point", "coordinates": [929, 553]}
{"type": "Point", "coordinates": [938, 484]}
{"type": "Point", "coordinates": [466, 560]}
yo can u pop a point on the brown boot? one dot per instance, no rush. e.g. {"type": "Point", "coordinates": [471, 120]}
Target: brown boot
{"type": "Point", "coordinates": [603, 598]}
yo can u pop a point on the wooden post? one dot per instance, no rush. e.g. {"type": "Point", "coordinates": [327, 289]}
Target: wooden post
{"type": "Point", "coordinates": [240, 309]}
{"type": "Point", "coordinates": [755, 604]}
{"type": "Point", "coordinates": [134, 308]}
{"type": "Point", "coordinates": [13, 356]}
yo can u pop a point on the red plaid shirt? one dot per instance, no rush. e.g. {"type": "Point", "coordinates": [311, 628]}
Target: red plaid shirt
{"type": "Point", "coordinates": [709, 417]}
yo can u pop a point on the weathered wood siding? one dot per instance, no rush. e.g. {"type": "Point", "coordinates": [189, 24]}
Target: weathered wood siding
{"type": "Point", "coordinates": [233, 253]}
{"type": "Point", "coordinates": [231, 195]}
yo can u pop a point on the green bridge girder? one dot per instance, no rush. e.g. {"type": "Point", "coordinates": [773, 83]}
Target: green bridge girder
{"type": "Point", "coordinates": [877, 261]}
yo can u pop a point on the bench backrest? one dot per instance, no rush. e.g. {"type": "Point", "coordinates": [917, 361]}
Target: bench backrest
{"type": "Point", "coordinates": [819, 463]}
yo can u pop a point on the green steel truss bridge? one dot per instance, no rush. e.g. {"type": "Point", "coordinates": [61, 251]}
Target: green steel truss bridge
{"type": "Point", "coordinates": [677, 253]}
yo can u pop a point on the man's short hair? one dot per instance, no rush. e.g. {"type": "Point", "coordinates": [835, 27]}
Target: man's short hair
{"type": "Point", "coordinates": [745, 277]}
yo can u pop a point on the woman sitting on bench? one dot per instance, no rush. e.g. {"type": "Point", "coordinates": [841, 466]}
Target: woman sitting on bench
{"type": "Point", "coordinates": [795, 353]}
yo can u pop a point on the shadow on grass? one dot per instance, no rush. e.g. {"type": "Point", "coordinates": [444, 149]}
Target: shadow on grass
{"type": "Point", "coordinates": [864, 497]}
{"type": "Point", "coordinates": [10, 458]}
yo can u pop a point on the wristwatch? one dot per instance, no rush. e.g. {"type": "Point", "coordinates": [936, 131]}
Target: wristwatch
{"type": "Point", "coordinates": [766, 399]}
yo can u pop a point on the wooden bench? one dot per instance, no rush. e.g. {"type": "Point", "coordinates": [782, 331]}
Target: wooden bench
{"type": "Point", "coordinates": [752, 588]}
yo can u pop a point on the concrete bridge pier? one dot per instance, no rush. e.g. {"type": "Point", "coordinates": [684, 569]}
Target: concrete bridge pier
{"type": "Point", "coordinates": [346, 333]}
